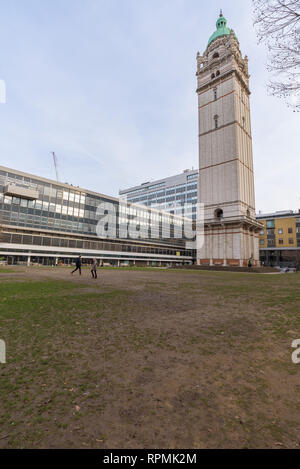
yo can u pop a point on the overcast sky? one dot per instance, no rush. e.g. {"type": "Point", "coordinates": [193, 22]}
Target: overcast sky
{"type": "Point", "coordinates": [109, 85]}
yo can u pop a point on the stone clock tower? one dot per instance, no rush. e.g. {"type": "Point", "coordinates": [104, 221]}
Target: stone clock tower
{"type": "Point", "coordinates": [226, 182]}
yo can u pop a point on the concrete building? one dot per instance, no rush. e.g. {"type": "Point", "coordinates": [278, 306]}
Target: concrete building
{"type": "Point", "coordinates": [226, 183]}
{"type": "Point", "coordinates": [47, 222]}
{"type": "Point", "coordinates": [279, 238]}
{"type": "Point", "coordinates": [170, 194]}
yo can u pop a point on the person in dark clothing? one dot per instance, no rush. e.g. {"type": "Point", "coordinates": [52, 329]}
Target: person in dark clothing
{"type": "Point", "coordinates": [78, 265]}
{"type": "Point", "coordinates": [94, 268]}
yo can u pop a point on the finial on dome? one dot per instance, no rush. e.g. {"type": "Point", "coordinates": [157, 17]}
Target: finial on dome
{"type": "Point", "coordinates": [221, 13]}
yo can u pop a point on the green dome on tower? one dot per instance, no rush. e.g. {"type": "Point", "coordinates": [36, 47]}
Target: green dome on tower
{"type": "Point", "coordinates": [222, 29]}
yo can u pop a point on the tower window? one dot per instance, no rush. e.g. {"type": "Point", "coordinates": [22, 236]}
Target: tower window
{"type": "Point", "coordinates": [216, 119]}
{"type": "Point", "coordinates": [218, 73]}
{"type": "Point", "coordinates": [216, 55]}
{"type": "Point", "coordinates": [215, 94]}
{"type": "Point", "coordinates": [219, 213]}
{"type": "Point", "coordinates": [243, 120]}
{"type": "Point", "coordinates": [212, 75]}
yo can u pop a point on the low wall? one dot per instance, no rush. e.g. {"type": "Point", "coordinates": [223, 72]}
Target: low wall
{"type": "Point", "coordinates": [256, 270]}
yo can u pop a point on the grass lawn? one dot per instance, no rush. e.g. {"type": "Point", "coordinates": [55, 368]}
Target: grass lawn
{"type": "Point", "coordinates": [145, 358]}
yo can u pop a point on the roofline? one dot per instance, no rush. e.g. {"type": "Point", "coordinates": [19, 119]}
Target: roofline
{"type": "Point", "coordinates": [157, 181]}
{"type": "Point", "coordinates": [263, 216]}
{"type": "Point", "coordinates": [52, 181]}
{"type": "Point", "coordinates": [114, 199]}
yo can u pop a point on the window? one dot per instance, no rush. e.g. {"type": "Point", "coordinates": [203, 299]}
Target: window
{"type": "Point", "coordinates": [219, 213]}
{"type": "Point", "coordinates": [156, 185]}
{"type": "Point", "coordinates": [216, 119]}
{"type": "Point", "coordinates": [280, 231]}
{"type": "Point", "coordinates": [215, 94]}
{"type": "Point", "coordinates": [216, 55]}
{"type": "Point", "coordinates": [24, 203]}
{"type": "Point", "coordinates": [280, 241]}
{"type": "Point", "coordinates": [243, 122]}
{"type": "Point", "coordinates": [262, 232]}
{"type": "Point", "coordinates": [262, 241]}
{"type": "Point", "coordinates": [290, 230]}
{"type": "Point", "coordinates": [212, 75]}
{"type": "Point", "coordinates": [270, 224]}
{"type": "Point", "coordinates": [47, 190]}
{"type": "Point", "coordinates": [291, 240]}
{"type": "Point", "coordinates": [218, 73]}
{"type": "Point", "coordinates": [46, 241]}
{"type": "Point", "coordinates": [192, 176]}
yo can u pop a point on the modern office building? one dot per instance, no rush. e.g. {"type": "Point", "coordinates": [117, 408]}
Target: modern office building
{"type": "Point", "coordinates": [44, 221]}
{"type": "Point", "coordinates": [170, 194]}
{"type": "Point", "coordinates": [279, 239]}
{"type": "Point", "coordinates": [226, 182]}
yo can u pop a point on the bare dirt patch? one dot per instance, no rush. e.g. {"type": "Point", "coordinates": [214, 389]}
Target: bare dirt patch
{"type": "Point", "coordinates": [149, 359]}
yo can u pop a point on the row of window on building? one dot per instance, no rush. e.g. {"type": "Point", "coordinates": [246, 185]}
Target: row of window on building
{"type": "Point", "coordinates": [280, 231]}
{"type": "Point", "coordinates": [274, 234]}
{"type": "Point", "coordinates": [191, 191]}
{"type": "Point", "coordinates": [135, 192]}
{"type": "Point", "coordinates": [49, 241]}
{"type": "Point", "coordinates": [272, 242]}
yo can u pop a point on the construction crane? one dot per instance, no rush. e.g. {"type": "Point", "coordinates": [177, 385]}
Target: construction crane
{"type": "Point", "coordinates": [55, 163]}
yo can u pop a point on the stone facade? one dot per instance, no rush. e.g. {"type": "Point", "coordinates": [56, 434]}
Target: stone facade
{"type": "Point", "coordinates": [226, 182]}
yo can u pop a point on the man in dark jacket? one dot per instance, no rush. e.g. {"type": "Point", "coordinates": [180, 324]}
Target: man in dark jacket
{"type": "Point", "coordinates": [78, 265]}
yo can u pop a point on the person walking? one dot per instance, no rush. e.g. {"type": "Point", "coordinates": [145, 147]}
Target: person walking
{"type": "Point", "coordinates": [94, 268]}
{"type": "Point", "coordinates": [78, 265]}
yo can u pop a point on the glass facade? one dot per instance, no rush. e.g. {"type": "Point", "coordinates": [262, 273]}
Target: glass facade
{"type": "Point", "coordinates": [57, 208]}
{"type": "Point", "coordinates": [178, 194]}
{"type": "Point", "coordinates": [65, 217]}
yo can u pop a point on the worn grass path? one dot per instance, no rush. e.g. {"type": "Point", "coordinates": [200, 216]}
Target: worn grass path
{"type": "Point", "coordinates": [148, 358]}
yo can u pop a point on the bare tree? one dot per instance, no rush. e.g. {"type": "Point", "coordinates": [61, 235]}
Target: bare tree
{"type": "Point", "coordinates": [278, 25]}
